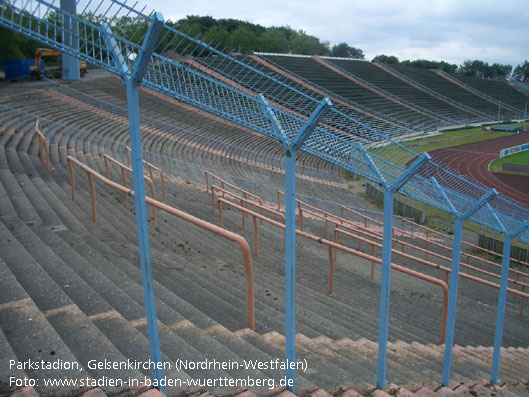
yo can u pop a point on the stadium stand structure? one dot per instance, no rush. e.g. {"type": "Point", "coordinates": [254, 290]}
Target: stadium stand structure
{"type": "Point", "coordinates": [90, 289]}
{"type": "Point", "coordinates": [369, 72]}
{"type": "Point", "coordinates": [521, 87]}
{"type": "Point", "coordinates": [498, 90]}
{"type": "Point", "coordinates": [298, 91]}
{"type": "Point", "coordinates": [501, 105]}
{"type": "Point", "coordinates": [198, 84]}
{"type": "Point", "coordinates": [439, 84]}
{"type": "Point", "coordinates": [316, 72]}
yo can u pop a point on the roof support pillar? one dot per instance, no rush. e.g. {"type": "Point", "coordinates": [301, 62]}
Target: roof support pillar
{"type": "Point", "coordinates": [70, 38]}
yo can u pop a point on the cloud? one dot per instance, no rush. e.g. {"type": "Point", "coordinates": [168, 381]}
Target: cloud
{"type": "Point", "coordinates": [450, 30]}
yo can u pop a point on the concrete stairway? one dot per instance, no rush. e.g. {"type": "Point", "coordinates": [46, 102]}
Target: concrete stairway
{"type": "Point", "coordinates": [72, 293]}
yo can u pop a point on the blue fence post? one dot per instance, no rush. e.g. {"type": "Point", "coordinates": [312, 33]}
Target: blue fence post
{"type": "Point", "coordinates": [452, 299]}
{"type": "Point", "coordinates": [454, 278]}
{"type": "Point", "coordinates": [70, 38]}
{"type": "Point", "coordinates": [385, 288]}
{"type": "Point", "coordinates": [290, 264]}
{"type": "Point", "coordinates": [502, 300]}
{"type": "Point", "coordinates": [291, 146]}
{"type": "Point", "coordinates": [387, 245]}
{"type": "Point", "coordinates": [132, 81]}
{"type": "Point", "coordinates": [142, 227]}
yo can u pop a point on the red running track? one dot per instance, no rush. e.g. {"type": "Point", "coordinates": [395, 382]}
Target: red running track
{"type": "Point", "coordinates": [473, 159]}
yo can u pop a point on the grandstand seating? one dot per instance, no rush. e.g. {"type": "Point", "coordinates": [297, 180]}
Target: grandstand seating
{"type": "Point", "coordinates": [441, 85]}
{"type": "Point", "coordinates": [324, 77]}
{"type": "Point", "coordinates": [88, 299]}
{"type": "Point", "coordinates": [236, 74]}
{"type": "Point", "coordinates": [382, 79]}
{"type": "Point", "coordinates": [500, 90]}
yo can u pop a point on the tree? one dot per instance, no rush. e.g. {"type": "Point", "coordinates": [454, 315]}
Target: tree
{"type": "Point", "coordinates": [426, 64]}
{"type": "Point", "coordinates": [192, 29]}
{"type": "Point", "coordinates": [206, 23]}
{"type": "Point", "coordinates": [288, 31]}
{"type": "Point", "coordinates": [345, 51]}
{"type": "Point", "coordinates": [387, 59]}
{"type": "Point", "coordinates": [521, 72]}
{"type": "Point", "coordinates": [447, 67]}
{"type": "Point", "coordinates": [218, 36]}
{"type": "Point", "coordinates": [303, 44]}
{"type": "Point", "coordinates": [324, 48]}
{"type": "Point", "coordinates": [498, 71]}
{"type": "Point", "coordinates": [477, 68]}
{"type": "Point", "coordinates": [15, 45]}
{"type": "Point", "coordinates": [243, 40]}
{"type": "Point", "coordinates": [273, 40]}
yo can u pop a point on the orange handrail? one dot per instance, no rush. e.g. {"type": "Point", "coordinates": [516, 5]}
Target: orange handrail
{"type": "Point", "coordinates": [162, 176]}
{"type": "Point", "coordinates": [439, 245]}
{"type": "Point", "coordinates": [447, 270]}
{"type": "Point", "coordinates": [326, 217]}
{"type": "Point", "coordinates": [151, 167]}
{"type": "Point", "coordinates": [261, 217]}
{"type": "Point", "coordinates": [124, 168]}
{"type": "Point", "coordinates": [348, 225]}
{"type": "Point", "coordinates": [487, 251]}
{"type": "Point", "coordinates": [246, 201]}
{"type": "Point", "coordinates": [467, 255]}
{"type": "Point", "coordinates": [43, 147]}
{"type": "Point", "coordinates": [224, 183]}
{"type": "Point", "coordinates": [428, 241]}
{"type": "Point", "coordinates": [340, 222]}
{"type": "Point", "coordinates": [405, 244]}
{"type": "Point", "coordinates": [243, 244]}
{"type": "Point", "coordinates": [332, 245]}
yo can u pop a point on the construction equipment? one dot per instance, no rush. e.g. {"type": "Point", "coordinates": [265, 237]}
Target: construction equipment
{"type": "Point", "coordinates": [36, 72]}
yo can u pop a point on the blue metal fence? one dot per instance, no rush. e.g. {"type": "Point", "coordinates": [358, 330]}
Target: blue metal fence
{"type": "Point", "coordinates": [184, 68]}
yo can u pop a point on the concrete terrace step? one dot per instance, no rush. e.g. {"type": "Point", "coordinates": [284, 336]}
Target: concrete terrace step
{"type": "Point", "coordinates": [89, 294]}
{"type": "Point", "coordinates": [31, 338]}
{"type": "Point", "coordinates": [101, 319]}
{"type": "Point", "coordinates": [117, 255]}
{"type": "Point", "coordinates": [62, 312]}
{"type": "Point", "coordinates": [50, 243]}
{"type": "Point", "coordinates": [278, 328]}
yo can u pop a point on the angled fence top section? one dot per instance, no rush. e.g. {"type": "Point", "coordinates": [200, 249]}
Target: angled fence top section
{"type": "Point", "coordinates": [189, 70]}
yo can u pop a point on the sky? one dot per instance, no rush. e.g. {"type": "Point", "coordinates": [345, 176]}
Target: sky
{"type": "Point", "coordinates": [449, 30]}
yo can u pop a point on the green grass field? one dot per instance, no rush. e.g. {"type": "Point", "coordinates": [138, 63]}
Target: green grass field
{"type": "Point", "coordinates": [446, 139]}
{"type": "Point", "coordinates": [518, 158]}
{"type": "Point", "coordinates": [400, 156]}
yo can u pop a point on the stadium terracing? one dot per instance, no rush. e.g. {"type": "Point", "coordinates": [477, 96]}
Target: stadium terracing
{"type": "Point", "coordinates": [285, 98]}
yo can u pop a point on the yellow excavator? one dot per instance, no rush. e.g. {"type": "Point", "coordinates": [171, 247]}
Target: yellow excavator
{"type": "Point", "coordinates": [36, 73]}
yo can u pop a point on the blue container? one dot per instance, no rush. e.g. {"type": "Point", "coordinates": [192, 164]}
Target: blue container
{"type": "Point", "coordinates": [16, 69]}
